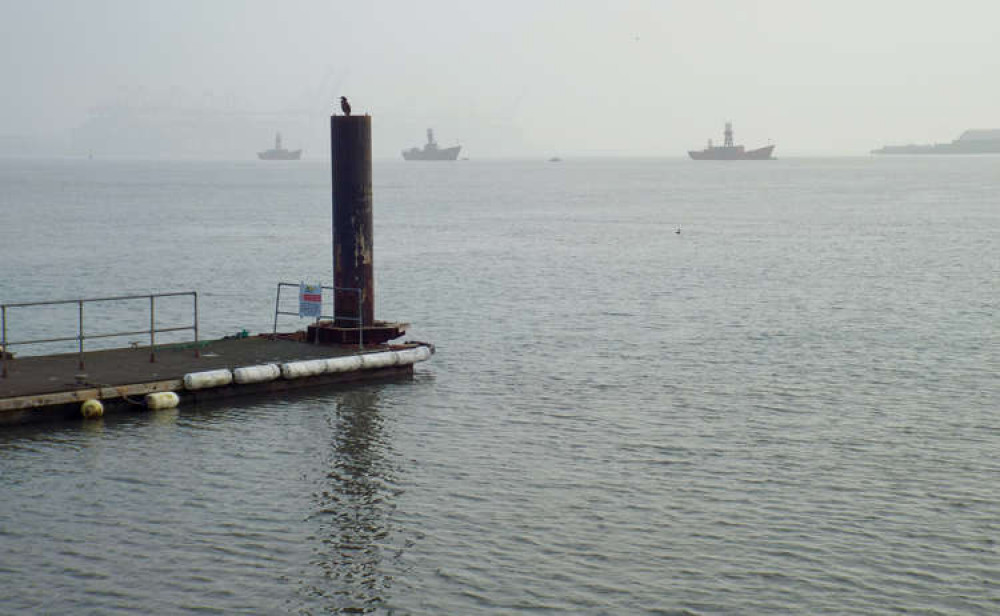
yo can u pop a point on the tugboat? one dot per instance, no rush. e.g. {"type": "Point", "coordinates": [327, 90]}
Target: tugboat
{"type": "Point", "coordinates": [728, 151]}
{"type": "Point", "coordinates": [279, 153]}
{"type": "Point", "coordinates": [431, 151]}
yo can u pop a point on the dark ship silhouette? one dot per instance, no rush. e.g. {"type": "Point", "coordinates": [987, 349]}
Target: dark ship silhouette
{"type": "Point", "coordinates": [973, 141]}
{"type": "Point", "coordinates": [431, 151]}
{"type": "Point", "coordinates": [728, 151]}
{"type": "Point", "coordinates": [278, 152]}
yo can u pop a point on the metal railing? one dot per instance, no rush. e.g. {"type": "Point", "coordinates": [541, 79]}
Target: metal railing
{"type": "Point", "coordinates": [359, 319]}
{"type": "Point", "coordinates": [80, 336]}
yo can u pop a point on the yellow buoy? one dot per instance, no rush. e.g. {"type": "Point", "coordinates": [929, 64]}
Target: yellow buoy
{"type": "Point", "coordinates": [91, 409]}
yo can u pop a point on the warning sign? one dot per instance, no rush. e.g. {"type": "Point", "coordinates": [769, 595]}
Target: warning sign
{"type": "Point", "coordinates": [310, 300]}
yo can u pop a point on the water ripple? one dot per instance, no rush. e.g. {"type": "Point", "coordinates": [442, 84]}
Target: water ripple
{"type": "Point", "coordinates": [790, 408]}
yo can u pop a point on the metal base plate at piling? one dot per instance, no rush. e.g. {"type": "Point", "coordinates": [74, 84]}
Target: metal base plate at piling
{"type": "Point", "coordinates": [378, 333]}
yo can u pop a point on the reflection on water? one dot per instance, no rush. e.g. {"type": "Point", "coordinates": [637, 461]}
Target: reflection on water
{"type": "Point", "coordinates": [166, 417]}
{"type": "Point", "coordinates": [276, 506]}
{"type": "Point", "coordinates": [352, 508]}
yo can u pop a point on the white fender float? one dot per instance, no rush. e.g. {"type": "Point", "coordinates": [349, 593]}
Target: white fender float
{"type": "Point", "coordinates": [302, 369]}
{"type": "Point", "coordinates": [209, 378]}
{"type": "Point", "coordinates": [414, 355]}
{"type": "Point", "coordinates": [349, 363]}
{"type": "Point", "coordinates": [382, 359]}
{"type": "Point", "coordinates": [305, 368]}
{"type": "Point", "coordinates": [162, 400]}
{"type": "Point", "coordinates": [256, 374]}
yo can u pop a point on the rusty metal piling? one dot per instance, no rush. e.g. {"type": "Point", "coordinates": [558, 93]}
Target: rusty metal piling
{"type": "Point", "coordinates": [353, 272]}
{"type": "Point", "coordinates": [353, 242]}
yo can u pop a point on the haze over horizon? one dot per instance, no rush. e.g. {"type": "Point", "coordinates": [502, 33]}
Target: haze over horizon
{"type": "Point", "coordinates": [185, 79]}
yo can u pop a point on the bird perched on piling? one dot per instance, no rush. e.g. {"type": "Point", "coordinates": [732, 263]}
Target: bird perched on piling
{"type": "Point", "coordinates": [345, 106]}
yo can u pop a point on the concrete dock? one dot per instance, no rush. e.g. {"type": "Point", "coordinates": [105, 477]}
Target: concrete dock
{"type": "Point", "coordinates": [54, 386]}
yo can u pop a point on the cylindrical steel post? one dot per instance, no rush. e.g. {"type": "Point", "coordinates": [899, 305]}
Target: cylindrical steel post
{"type": "Point", "coordinates": [351, 160]}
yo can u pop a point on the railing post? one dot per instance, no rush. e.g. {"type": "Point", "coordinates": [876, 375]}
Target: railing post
{"type": "Point", "coordinates": [80, 333]}
{"type": "Point", "coordinates": [277, 304]}
{"type": "Point", "coordinates": [315, 329]}
{"type": "Point", "coordinates": [3, 339]}
{"type": "Point", "coordinates": [361, 323]}
{"type": "Point", "coordinates": [197, 349]}
{"type": "Point", "coordinates": [152, 329]}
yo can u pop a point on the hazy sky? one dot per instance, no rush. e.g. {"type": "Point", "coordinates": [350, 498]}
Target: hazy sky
{"type": "Point", "coordinates": [511, 78]}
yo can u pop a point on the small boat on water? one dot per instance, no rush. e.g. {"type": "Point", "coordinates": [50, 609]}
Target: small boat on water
{"type": "Point", "coordinates": [728, 151]}
{"type": "Point", "coordinates": [278, 152]}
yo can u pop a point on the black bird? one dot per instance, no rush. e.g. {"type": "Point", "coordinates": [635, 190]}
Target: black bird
{"type": "Point", "coordinates": [345, 106]}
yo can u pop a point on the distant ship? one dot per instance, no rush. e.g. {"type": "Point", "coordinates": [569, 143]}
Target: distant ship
{"type": "Point", "coordinates": [728, 151]}
{"type": "Point", "coordinates": [974, 141]}
{"type": "Point", "coordinates": [431, 151]}
{"type": "Point", "coordinates": [279, 153]}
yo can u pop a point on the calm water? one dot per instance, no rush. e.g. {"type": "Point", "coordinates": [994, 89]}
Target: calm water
{"type": "Point", "coordinates": [792, 406]}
